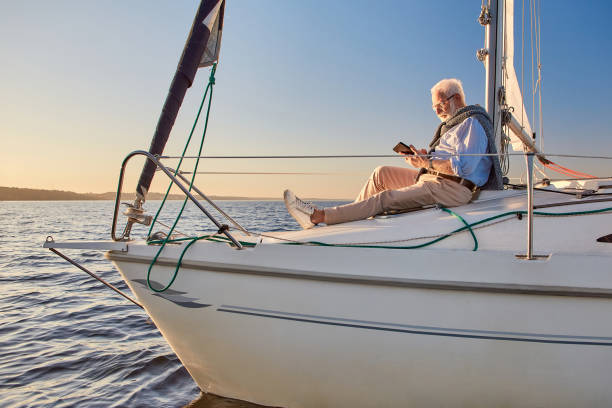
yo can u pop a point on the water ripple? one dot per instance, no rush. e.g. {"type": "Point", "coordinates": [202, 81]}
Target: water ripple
{"type": "Point", "coordinates": [66, 340]}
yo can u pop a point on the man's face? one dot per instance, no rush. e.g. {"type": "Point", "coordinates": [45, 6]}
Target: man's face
{"type": "Point", "coordinates": [443, 105]}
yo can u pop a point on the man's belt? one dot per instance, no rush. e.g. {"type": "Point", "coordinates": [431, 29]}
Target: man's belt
{"type": "Point", "coordinates": [464, 182]}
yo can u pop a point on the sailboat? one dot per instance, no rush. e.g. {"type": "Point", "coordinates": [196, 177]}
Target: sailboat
{"type": "Point", "coordinates": [486, 304]}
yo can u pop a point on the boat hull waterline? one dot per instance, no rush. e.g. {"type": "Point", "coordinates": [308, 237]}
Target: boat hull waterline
{"type": "Point", "coordinates": [336, 331]}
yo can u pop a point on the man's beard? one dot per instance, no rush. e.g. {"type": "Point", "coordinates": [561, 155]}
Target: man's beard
{"type": "Point", "coordinates": [443, 117]}
{"type": "Point", "coordinates": [447, 115]}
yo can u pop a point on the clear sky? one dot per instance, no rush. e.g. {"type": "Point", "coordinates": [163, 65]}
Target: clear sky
{"type": "Point", "coordinates": [83, 83]}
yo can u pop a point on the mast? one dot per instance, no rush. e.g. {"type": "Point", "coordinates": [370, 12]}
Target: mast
{"type": "Point", "coordinates": [492, 18]}
{"type": "Point", "coordinates": [209, 18]}
{"type": "Point", "coordinates": [503, 96]}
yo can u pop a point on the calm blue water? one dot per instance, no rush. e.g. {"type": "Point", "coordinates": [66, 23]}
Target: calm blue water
{"type": "Point", "coordinates": [65, 339]}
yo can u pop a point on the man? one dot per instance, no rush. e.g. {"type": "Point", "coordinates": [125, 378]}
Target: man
{"type": "Point", "coordinates": [450, 173]}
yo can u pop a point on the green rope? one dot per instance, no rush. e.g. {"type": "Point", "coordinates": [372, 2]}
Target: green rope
{"type": "Point", "coordinates": [211, 82]}
{"type": "Point", "coordinates": [570, 213]}
{"type": "Point", "coordinates": [468, 226]}
{"type": "Point", "coordinates": [212, 238]}
{"type": "Point", "coordinates": [506, 214]}
{"type": "Point", "coordinates": [215, 238]}
{"type": "Point", "coordinates": [180, 261]}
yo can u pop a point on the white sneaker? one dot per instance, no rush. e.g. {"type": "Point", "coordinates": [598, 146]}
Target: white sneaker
{"type": "Point", "coordinates": [300, 210]}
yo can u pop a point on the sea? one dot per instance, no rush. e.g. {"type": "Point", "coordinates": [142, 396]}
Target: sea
{"type": "Point", "coordinates": [68, 341]}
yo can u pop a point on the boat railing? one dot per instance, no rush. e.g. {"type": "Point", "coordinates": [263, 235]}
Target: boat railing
{"type": "Point", "coordinates": [529, 164]}
{"type": "Point", "coordinates": [182, 182]}
{"type": "Point", "coordinates": [134, 216]}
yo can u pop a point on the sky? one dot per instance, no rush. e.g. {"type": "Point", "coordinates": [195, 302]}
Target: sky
{"type": "Point", "coordinates": [83, 83]}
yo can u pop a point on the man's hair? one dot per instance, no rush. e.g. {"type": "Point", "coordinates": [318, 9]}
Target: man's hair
{"type": "Point", "coordinates": [448, 87]}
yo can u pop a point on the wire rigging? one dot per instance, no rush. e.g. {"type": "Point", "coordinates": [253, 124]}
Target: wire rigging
{"type": "Point", "coordinates": [361, 156]}
{"type": "Point", "coordinates": [541, 122]}
{"type": "Point", "coordinates": [209, 87]}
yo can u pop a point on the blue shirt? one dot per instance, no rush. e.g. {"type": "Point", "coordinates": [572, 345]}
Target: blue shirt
{"type": "Point", "coordinates": [467, 137]}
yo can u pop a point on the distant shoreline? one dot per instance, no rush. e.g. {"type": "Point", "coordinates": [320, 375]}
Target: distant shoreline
{"type": "Point", "coordinates": [30, 194]}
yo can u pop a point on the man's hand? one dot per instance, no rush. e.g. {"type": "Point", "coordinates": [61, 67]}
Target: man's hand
{"type": "Point", "coordinates": [420, 160]}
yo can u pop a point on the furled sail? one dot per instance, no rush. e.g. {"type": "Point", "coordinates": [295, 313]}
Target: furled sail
{"type": "Point", "coordinates": [201, 50]}
{"type": "Point", "coordinates": [514, 97]}
{"type": "Point", "coordinates": [214, 22]}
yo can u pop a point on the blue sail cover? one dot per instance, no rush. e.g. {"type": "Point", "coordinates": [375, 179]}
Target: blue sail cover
{"type": "Point", "coordinates": [201, 50]}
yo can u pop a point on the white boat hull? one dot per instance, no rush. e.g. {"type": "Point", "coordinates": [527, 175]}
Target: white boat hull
{"type": "Point", "coordinates": [431, 328]}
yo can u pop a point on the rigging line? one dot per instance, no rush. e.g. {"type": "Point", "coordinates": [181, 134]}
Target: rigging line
{"type": "Point", "coordinates": [483, 223]}
{"type": "Point", "coordinates": [440, 235]}
{"type": "Point", "coordinates": [178, 166]}
{"type": "Point", "coordinates": [465, 228]}
{"type": "Point", "coordinates": [523, 187]}
{"type": "Point", "coordinates": [503, 146]}
{"type": "Point", "coordinates": [533, 90]}
{"type": "Point", "coordinates": [567, 203]}
{"type": "Point", "coordinates": [397, 241]}
{"type": "Point", "coordinates": [522, 62]}
{"type": "Point", "coordinates": [578, 156]}
{"type": "Point", "coordinates": [554, 166]}
{"type": "Point", "coordinates": [540, 77]}
{"type": "Point", "coordinates": [498, 122]}
{"type": "Point", "coordinates": [581, 179]}
{"type": "Point", "coordinates": [558, 168]}
{"type": "Point", "coordinates": [267, 173]}
{"type": "Point", "coordinates": [467, 225]}
{"type": "Point", "coordinates": [358, 156]}
{"type": "Point", "coordinates": [348, 156]}
{"type": "Point", "coordinates": [211, 82]}
{"type": "Point", "coordinates": [503, 138]}
{"type": "Point", "coordinates": [562, 172]}
{"type": "Point", "coordinates": [537, 88]}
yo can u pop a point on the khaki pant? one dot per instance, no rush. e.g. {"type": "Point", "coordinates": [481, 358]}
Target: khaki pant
{"type": "Point", "coordinates": [394, 188]}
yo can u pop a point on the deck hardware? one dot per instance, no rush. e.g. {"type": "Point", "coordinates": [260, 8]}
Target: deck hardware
{"type": "Point", "coordinates": [136, 215]}
{"type": "Point", "coordinates": [93, 275]}
{"type": "Point", "coordinates": [481, 54]}
{"type": "Point", "coordinates": [485, 16]}
{"type": "Point", "coordinates": [126, 231]}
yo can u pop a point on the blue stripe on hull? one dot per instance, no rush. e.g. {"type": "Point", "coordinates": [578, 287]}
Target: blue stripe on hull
{"type": "Point", "coordinates": [421, 332]}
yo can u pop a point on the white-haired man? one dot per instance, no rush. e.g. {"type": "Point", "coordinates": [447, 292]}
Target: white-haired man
{"type": "Point", "coordinates": [449, 173]}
